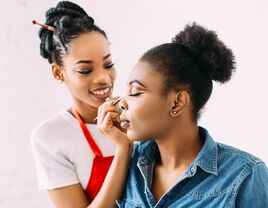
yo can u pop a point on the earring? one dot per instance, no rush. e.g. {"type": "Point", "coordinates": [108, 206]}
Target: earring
{"type": "Point", "coordinates": [60, 81]}
{"type": "Point", "coordinates": [173, 112]}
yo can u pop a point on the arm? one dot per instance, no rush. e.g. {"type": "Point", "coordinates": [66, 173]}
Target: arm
{"type": "Point", "coordinates": [54, 171]}
{"type": "Point", "coordinates": [253, 191]}
{"type": "Point", "coordinates": [113, 185]}
{"type": "Point", "coordinates": [74, 196]}
{"type": "Point", "coordinates": [114, 182]}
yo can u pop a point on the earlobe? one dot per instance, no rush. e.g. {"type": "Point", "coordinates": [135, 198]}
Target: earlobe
{"type": "Point", "coordinates": [57, 72]}
{"type": "Point", "coordinates": [180, 102]}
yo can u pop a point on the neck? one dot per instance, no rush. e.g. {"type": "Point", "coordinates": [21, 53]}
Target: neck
{"type": "Point", "coordinates": [180, 147]}
{"type": "Point", "coordinates": [86, 112]}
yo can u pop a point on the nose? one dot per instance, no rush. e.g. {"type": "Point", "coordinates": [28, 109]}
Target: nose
{"type": "Point", "coordinates": [102, 77]}
{"type": "Point", "coordinates": [123, 104]}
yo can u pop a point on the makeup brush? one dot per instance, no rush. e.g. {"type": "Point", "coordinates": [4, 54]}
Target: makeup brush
{"type": "Point", "coordinates": [114, 102]}
{"type": "Point", "coordinates": [44, 25]}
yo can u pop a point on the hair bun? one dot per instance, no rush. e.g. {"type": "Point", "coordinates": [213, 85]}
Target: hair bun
{"type": "Point", "coordinates": [61, 17]}
{"type": "Point", "coordinates": [63, 9]}
{"type": "Point", "coordinates": [210, 53]}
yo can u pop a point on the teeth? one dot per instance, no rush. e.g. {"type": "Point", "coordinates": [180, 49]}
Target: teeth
{"type": "Point", "coordinates": [101, 92]}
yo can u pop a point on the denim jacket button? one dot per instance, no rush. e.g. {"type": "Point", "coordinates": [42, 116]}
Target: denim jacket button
{"type": "Point", "coordinates": [192, 169]}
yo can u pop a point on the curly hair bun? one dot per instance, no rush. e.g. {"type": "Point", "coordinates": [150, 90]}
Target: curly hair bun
{"type": "Point", "coordinates": [66, 8]}
{"type": "Point", "coordinates": [210, 53]}
{"type": "Point", "coordinates": [61, 17]}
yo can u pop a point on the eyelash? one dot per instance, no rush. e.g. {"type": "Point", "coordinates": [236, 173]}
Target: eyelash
{"type": "Point", "coordinates": [109, 66]}
{"type": "Point", "coordinates": [84, 71]}
{"type": "Point", "coordinates": [136, 94]}
{"type": "Point", "coordinates": [87, 71]}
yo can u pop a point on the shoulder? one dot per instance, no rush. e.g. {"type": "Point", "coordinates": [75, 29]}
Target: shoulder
{"type": "Point", "coordinates": [232, 153]}
{"type": "Point", "coordinates": [54, 130]}
{"type": "Point", "coordinates": [240, 164]}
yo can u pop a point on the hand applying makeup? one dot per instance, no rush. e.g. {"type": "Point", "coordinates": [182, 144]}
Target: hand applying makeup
{"type": "Point", "coordinates": [108, 122]}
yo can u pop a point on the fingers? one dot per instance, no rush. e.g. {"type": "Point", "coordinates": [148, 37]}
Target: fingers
{"type": "Point", "coordinates": [108, 106]}
{"type": "Point", "coordinates": [107, 123]}
{"type": "Point", "coordinates": [107, 113]}
{"type": "Point", "coordinates": [102, 112]}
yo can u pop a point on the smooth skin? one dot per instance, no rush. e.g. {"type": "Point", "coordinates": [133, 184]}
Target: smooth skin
{"type": "Point", "coordinates": [87, 68]}
{"type": "Point", "coordinates": [172, 127]}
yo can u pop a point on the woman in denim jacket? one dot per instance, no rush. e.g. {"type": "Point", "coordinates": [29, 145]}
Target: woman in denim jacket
{"type": "Point", "coordinates": [177, 163]}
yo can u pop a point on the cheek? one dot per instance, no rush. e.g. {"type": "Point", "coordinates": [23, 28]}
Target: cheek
{"type": "Point", "coordinates": [112, 75]}
{"type": "Point", "coordinates": [146, 119]}
{"type": "Point", "coordinates": [77, 85]}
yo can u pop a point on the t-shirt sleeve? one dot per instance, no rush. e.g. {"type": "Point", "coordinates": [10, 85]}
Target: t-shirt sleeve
{"type": "Point", "coordinates": [53, 164]}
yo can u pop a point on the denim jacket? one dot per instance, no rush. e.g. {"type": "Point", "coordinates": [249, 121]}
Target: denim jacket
{"type": "Point", "coordinates": [220, 176]}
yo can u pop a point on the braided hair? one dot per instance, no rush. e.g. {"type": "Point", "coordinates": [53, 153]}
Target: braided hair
{"type": "Point", "coordinates": [69, 21]}
{"type": "Point", "coordinates": [193, 59]}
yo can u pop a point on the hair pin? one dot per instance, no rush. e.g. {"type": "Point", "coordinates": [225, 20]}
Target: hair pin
{"type": "Point", "coordinates": [48, 27]}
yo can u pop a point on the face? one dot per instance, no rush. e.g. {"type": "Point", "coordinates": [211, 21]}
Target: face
{"type": "Point", "coordinates": [145, 107]}
{"type": "Point", "coordinates": [88, 69]}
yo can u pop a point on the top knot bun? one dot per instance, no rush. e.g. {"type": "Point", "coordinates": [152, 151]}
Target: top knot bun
{"type": "Point", "coordinates": [208, 51]}
{"type": "Point", "coordinates": [65, 9]}
{"type": "Point", "coordinates": [67, 18]}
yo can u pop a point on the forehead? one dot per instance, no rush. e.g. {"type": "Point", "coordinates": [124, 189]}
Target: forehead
{"type": "Point", "coordinates": [145, 73]}
{"type": "Point", "coordinates": [89, 44]}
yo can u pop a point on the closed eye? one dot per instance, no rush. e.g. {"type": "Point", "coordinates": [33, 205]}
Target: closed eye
{"type": "Point", "coordinates": [84, 71]}
{"type": "Point", "coordinates": [109, 66]}
{"type": "Point", "coordinates": [135, 94]}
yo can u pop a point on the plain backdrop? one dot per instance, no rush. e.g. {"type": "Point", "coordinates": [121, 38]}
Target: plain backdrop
{"type": "Point", "coordinates": [236, 114]}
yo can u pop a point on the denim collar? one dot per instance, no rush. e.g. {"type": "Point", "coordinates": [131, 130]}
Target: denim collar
{"type": "Point", "coordinates": [206, 158]}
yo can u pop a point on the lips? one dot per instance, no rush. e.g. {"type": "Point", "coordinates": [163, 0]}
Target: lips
{"type": "Point", "coordinates": [124, 122]}
{"type": "Point", "coordinates": [101, 92]}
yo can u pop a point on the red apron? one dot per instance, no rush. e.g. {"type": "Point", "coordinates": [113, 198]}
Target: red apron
{"type": "Point", "coordinates": [100, 164]}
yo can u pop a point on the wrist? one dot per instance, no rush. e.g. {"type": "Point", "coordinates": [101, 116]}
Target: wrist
{"type": "Point", "coordinates": [125, 147]}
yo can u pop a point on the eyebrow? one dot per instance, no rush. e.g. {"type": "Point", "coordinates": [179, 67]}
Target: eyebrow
{"type": "Point", "coordinates": [84, 62]}
{"type": "Point", "coordinates": [107, 56]}
{"type": "Point", "coordinates": [90, 62]}
{"type": "Point", "coordinates": [136, 81]}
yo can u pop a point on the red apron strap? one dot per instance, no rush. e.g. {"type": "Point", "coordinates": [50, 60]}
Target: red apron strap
{"type": "Point", "coordinates": [99, 171]}
{"type": "Point", "coordinates": [96, 150]}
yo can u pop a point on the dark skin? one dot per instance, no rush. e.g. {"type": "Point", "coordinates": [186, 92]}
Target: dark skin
{"type": "Point", "coordinates": [172, 128]}
{"type": "Point", "coordinates": [89, 75]}
{"type": "Point", "coordinates": [87, 67]}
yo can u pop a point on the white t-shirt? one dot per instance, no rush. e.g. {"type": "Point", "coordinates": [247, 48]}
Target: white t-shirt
{"type": "Point", "coordinates": [62, 154]}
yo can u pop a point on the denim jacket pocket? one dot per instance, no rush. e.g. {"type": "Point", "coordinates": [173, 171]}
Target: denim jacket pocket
{"type": "Point", "coordinates": [220, 199]}
{"type": "Point", "coordinates": [127, 203]}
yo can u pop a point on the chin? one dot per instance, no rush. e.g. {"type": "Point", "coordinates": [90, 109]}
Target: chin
{"type": "Point", "coordinates": [136, 137]}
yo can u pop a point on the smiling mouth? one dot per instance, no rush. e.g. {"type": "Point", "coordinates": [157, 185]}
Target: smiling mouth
{"type": "Point", "coordinates": [102, 93]}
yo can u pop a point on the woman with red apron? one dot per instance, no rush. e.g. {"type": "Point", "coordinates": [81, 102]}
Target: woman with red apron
{"type": "Point", "coordinates": [101, 165]}
{"type": "Point", "coordinates": [79, 54]}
